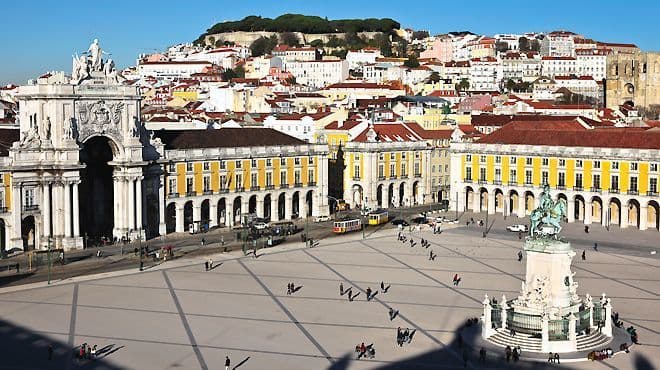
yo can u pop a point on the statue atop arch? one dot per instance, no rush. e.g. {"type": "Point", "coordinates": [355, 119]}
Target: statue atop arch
{"type": "Point", "coordinates": [91, 65]}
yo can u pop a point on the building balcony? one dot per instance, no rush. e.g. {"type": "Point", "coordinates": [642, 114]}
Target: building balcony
{"type": "Point", "coordinates": [4, 209]}
{"type": "Point", "coordinates": [393, 177]}
{"type": "Point", "coordinates": [270, 187]}
{"type": "Point", "coordinates": [284, 186]}
{"type": "Point", "coordinates": [482, 182]}
{"type": "Point", "coordinates": [297, 185]}
{"type": "Point", "coordinates": [652, 193]}
{"type": "Point", "coordinates": [311, 183]}
{"type": "Point", "coordinates": [418, 175]}
{"type": "Point", "coordinates": [356, 178]}
{"type": "Point", "coordinates": [497, 182]}
{"type": "Point", "coordinates": [633, 192]}
{"type": "Point", "coordinates": [208, 192]}
{"type": "Point", "coordinates": [381, 177]}
{"type": "Point", "coordinates": [254, 188]}
{"type": "Point", "coordinates": [239, 189]}
{"type": "Point", "coordinates": [561, 187]}
{"type": "Point", "coordinates": [528, 183]}
{"type": "Point", "coordinates": [32, 207]}
{"type": "Point", "coordinates": [173, 195]}
{"type": "Point", "coordinates": [404, 176]}
{"type": "Point", "coordinates": [614, 191]}
{"type": "Point", "coordinates": [578, 188]}
{"type": "Point", "coordinates": [191, 193]}
{"type": "Point", "coordinates": [595, 189]}
{"type": "Point", "coordinates": [223, 191]}
{"type": "Point", "coordinates": [469, 181]}
{"type": "Point", "coordinates": [512, 183]}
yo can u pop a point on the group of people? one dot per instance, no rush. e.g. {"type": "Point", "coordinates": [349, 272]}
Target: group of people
{"type": "Point", "coordinates": [291, 288]}
{"type": "Point", "coordinates": [86, 352]}
{"type": "Point", "coordinates": [208, 264]}
{"type": "Point", "coordinates": [512, 353]}
{"type": "Point", "coordinates": [600, 355]}
{"type": "Point", "coordinates": [365, 351]}
{"type": "Point", "coordinates": [404, 336]}
{"type": "Point", "coordinates": [553, 358]}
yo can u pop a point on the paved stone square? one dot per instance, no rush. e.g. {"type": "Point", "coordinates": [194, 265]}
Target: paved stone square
{"type": "Point", "coordinates": [178, 316]}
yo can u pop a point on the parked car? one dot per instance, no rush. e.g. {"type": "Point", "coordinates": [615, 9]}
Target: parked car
{"type": "Point", "coordinates": [322, 219]}
{"type": "Point", "coordinates": [260, 225]}
{"type": "Point", "coordinates": [398, 222]}
{"type": "Point", "coordinates": [517, 228]}
{"type": "Point", "coordinates": [418, 220]}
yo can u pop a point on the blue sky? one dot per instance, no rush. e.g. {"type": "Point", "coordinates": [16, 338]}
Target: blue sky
{"type": "Point", "coordinates": [41, 35]}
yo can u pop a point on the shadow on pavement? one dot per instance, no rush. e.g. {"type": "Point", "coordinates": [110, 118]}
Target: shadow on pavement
{"type": "Point", "coordinates": [21, 348]}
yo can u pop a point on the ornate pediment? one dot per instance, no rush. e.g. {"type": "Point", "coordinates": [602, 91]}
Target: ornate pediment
{"type": "Point", "coordinates": [98, 117]}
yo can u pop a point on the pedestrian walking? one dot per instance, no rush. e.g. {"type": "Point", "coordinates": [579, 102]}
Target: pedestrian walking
{"type": "Point", "coordinates": [557, 357]}
{"type": "Point", "coordinates": [341, 288]}
{"type": "Point", "coordinates": [368, 293]}
{"type": "Point", "coordinates": [94, 351]}
{"type": "Point", "coordinates": [520, 256]}
{"type": "Point", "coordinates": [482, 355]}
{"type": "Point", "coordinates": [551, 357]}
{"type": "Point", "coordinates": [222, 240]}
{"type": "Point", "coordinates": [584, 255]}
{"type": "Point", "coordinates": [206, 265]}
{"type": "Point", "coordinates": [382, 286]}
{"type": "Point", "coordinates": [227, 362]}
{"type": "Point", "coordinates": [288, 288]}
{"type": "Point", "coordinates": [50, 352]}
{"type": "Point", "coordinates": [210, 264]}
{"type": "Point", "coordinates": [596, 247]}
{"type": "Point", "coordinates": [507, 353]}
{"type": "Point", "coordinates": [391, 313]}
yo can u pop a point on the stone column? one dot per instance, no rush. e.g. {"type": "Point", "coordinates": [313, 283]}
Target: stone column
{"type": "Point", "coordinates": [302, 206]}
{"type": "Point", "coordinates": [245, 208]}
{"type": "Point", "coordinates": [117, 199]}
{"type": "Point", "coordinates": [624, 215]}
{"type": "Point", "coordinates": [45, 209]}
{"type": "Point", "coordinates": [476, 202]}
{"type": "Point", "coordinates": [179, 218]}
{"type": "Point", "coordinates": [487, 325]}
{"type": "Point", "coordinates": [545, 337]}
{"type": "Point", "coordinates": [131, 204]}
{"type": "Point", "coordinates": [570, 211]}
{"type": "Point", "coordinates": [76, 210]}
{"type": "Point", "coordinates": [491, 203]}
{"type": "Point", "coordinates": [385, 195]}
{"type": "Point", "coordinates": [522, 211]}
{"type": "Point", "coordinates": [213, 213]}
{"type": "Point", "coordinates": [67, 210]}
{"type": "Point", "coordinates": [572, 334]}
{"type": "Point", "coordinates": [504, 305]}
{"type": "Point", "coordinates": [607, 314]}
{"type": "Point", "coordinates": [197, 212]}
{"type": "Point", "coordinates": [643, 217]}
{"type": "Point", "coordinates": [587, 213]}
{"type": "Point", "coordinates": [273, 208]}
{"type": "Point", "coordinates": [16, 212]}
{"type": "Point", "coordinates": [288, 200]}
{"type": "Point", "coordinates": [138, 203]}
{"type": "Point", "coordinates": [590, 306]}
{"type": "Point", "coordinates": [506, 203]}
{"type": "Point", "coordinates": [260, 207]}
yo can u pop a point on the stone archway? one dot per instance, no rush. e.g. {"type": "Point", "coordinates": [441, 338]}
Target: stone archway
{"type": "Point", "coordinates": [469, 198]}
{"type": "Point", "coordinates": [222, 212]}
{"type": "Point", "coordinates": [379, 196]}
{"type": "Point", "coordinates": [252, 205]}
{"type": "Point", "coordinates": [205, 213]}
{"type": "Point", "coordinates": [187, 215]}
{"type": "Point", "coordinates": [652, 218]}
{"type": "Point", "coordinates": [499, 200]}
{"type": "Point", "coordinates": [402, 194]}
{"type": "Point", "coordinates": [309, 203]}
{"type": "Point", "coordinates": [513, 202]}
{"type": "Point", "coordinates": [295, 205]}
{"type": "Point", "coordinates": [415, 193]}
{"type": "Point", "coordinates": [29, 233]}
{"type": "Point", "coordinates": [390, 195]}
{"type": "Point", "coordinates": [170, 218]}
{"type": "Point", "coordinates": [96, 194]}
{"type": "Point", "coordinates": [281, 207]}
{"type": "Point", "coordinates": [236, 211]}
{"type": "Point", "coordinates": [597, 210]}
{"type": "Point", "coordinates": [267, 200]}
{"type": "Point", "coordinates": [614, 209]}
{"type": "Point", "coordinates": [3, 237]}
{"type": "Point", "coordinates": [483, 200]}
{"type": "Point", "coordinates": [633, 209]}
{"type": "Point", "coordinates": [529, 202]}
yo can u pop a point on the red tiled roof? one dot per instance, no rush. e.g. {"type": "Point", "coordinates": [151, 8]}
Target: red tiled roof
{"type": "Point", "coordinates": [348, 124]}
{"type": "Point", "coordinates": [390, 132]}
{"type": "Point", "coordinates": [572, 134]}
{"type": "Point", "coordinates": [358, 85]}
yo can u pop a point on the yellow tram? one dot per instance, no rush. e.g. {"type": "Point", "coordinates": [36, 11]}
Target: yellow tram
{"type": "Point", "coordinates": [379, 216]}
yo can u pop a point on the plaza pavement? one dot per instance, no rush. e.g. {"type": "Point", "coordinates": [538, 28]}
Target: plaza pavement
{"type": "Point", "coordinates": [177, 316]}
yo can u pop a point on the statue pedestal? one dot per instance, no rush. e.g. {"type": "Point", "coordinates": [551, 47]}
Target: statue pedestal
{"type": "Point", "coordinates": [549, 286]}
